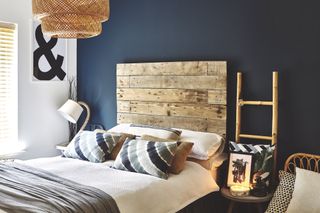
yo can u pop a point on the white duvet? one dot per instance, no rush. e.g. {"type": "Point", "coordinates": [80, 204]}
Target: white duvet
{"type": "Point", "coordinates": [135, 192]}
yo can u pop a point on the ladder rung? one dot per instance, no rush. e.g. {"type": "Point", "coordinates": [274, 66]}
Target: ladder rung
{"type": "Point", "coordinates": [259, 103]}
{"type": "Point", "coordinates": [260, 137]}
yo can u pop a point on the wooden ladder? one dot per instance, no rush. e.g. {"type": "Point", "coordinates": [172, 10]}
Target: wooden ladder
{"type": "Point", "coordinates": [274, 103]}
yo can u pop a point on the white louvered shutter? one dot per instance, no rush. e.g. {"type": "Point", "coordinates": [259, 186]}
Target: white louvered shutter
{"type": "Point", "coordinates": [8, 84]}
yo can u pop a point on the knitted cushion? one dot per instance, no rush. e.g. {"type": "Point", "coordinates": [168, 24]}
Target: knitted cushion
{"type": "Point", "coordinates": [283, 193]}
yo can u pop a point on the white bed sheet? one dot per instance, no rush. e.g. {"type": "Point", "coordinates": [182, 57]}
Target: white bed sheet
{"type": "Point", "coordinates": [134, 192]}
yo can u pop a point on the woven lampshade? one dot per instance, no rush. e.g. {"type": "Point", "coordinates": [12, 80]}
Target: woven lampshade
{"type": "Point", "coordinates": [71, 18]}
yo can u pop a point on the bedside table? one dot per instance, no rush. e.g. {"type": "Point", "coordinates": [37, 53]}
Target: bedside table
{"type": "Point", "coordinates": [61, 147]}
{"type": "Point", "coordinates": [225, 192]}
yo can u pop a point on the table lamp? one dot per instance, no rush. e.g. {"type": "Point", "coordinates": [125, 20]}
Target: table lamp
{"type": "Point", "coordinates": [72, 110]}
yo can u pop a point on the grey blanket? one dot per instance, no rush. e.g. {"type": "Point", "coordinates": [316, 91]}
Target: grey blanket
{"type": "Point", "coordinates": [26, 189]}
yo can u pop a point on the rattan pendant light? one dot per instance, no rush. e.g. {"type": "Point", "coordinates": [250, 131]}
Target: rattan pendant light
{"type": "Point", "coordinates": [71, 18]}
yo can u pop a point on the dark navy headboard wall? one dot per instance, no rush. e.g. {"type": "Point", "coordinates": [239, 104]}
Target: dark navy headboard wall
{"type": "Point", "coordinates": [255, 37]}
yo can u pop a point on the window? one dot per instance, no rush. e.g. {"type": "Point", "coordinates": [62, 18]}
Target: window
{"type": "Point", "coordinates": [8, 87]}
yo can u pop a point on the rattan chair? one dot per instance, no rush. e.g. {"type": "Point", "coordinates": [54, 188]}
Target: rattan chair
{"type": "Point", "coordinates": [303, 161]}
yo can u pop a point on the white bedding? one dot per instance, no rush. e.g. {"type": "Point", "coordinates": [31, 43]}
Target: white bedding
{"type": "Point", "coordinates": [135, 192]}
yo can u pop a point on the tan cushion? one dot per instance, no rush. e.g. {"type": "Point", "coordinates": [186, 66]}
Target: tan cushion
{"type": "Point", "coordinates": [204, 163]}
{"type": "Point", "coordinates": [179, 158]}
{"type": "Point", "coordinates": [118, 146]}
{"type": "Point", "coordinates": [214, 161]}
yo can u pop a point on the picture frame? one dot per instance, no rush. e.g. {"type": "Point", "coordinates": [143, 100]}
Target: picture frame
{"type": "Point", "coordinates": [239, 170]}
{"type": "Point", "coordinates": [49, 56]}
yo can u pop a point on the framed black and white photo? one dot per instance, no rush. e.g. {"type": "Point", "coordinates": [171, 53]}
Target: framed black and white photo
{"type": "Point", "coordinates": [49, 56]}
{"type": "Point", "coordinates": [239, 172]}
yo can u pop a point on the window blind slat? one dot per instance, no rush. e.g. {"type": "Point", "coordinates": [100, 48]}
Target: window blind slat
{"type": "Point", "coordinates": [5, 49]}
{"type": "Point", "coordinates": [6, 33]}
{"type": "Point", "coordinates": [7, 38]}
{"type": "Point", "coordinates": [8, 80]}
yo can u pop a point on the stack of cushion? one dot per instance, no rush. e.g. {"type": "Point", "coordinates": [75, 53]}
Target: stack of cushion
{"type": "Point", "coordinates": [283, 194]}
{"type": "Point", "coordinates": [146, 149]}
{"type": "Point", "coordinates": [296, 193]}
{"type": "Point", "coordinates": [207, 147]}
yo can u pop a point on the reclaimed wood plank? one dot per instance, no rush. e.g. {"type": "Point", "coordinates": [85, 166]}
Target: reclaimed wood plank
{"type": "Point", "coordinates": [217, 97]}
{"type": "Point", "coordinates": [178, 82]}
{"type": "Point", "coordinates": [196, 124]}
{"type": "Point", "coordinates": [123, 81]}
{"type": "Point", "coordinates": [217, 68]}
{"type": "Point", "coordinates": [163, 68]}
{"type": "Point", "coordinates": [217, 126]}
{"type": "Point", "coordinates": [163, 95]}
{"type": "Point", "coordinates": [174, 109]}
{"type": "Point", "coordinates": [123, 106]}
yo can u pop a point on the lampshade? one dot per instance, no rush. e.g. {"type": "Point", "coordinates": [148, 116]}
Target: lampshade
{"type": "Point", "coordinates": [71, 111]}
{"type": "Point", "coordinates": [71, 18]}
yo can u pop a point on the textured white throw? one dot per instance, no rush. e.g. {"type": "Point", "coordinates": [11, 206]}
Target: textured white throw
{"type": "Point", "coordinates": [135, 192]}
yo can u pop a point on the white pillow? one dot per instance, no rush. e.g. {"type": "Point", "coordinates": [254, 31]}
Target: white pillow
{"type": "Point", "coordinates": [120, 128]}
{"type": "Point", "coordinates": [306, 193]}
{"type": "Point", "coordinates": [206, 144]}
{"type": "Point", "coordinates": [159, 132]}
{"type": "Point", "coordinates": [138, 130]}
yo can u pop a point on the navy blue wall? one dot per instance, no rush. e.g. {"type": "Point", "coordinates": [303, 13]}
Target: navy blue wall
{"type": "Point", "coordinates": [255, 37]}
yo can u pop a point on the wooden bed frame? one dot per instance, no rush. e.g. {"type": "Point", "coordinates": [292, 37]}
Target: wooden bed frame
{"type": "Point", "coordinates": [304, 161]}
{"type": "Point", "coordinates": [187, 95]}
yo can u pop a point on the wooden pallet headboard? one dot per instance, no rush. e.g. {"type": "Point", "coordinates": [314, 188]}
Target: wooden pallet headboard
{"type": "Point", "coordinates": [188, 95]}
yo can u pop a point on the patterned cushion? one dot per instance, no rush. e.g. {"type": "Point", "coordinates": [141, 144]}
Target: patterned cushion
{"type": "Point", "coordinates": [160, 132]}
{"type": "Point", "coordinates": [247, 148]}
{"type": "Point", "coordinates": [283, 193]}
{"type": "Point", "coordinates": [147, 157]}
{"type": "Point", "coordinates": [92, 146]}
{"type": "Point", "coordinates": [179, 159]}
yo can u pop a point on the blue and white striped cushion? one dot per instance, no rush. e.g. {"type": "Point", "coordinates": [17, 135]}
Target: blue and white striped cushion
{"type": "Point", "coordinates": [92, 146]}
{"type": "Point", "coordinates": [147, 157]}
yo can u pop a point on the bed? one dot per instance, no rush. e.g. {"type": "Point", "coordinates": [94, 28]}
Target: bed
{"type": "Point", "coordinates": [192, 183]}
{"type": "Point", "coordinates": [186, 95]}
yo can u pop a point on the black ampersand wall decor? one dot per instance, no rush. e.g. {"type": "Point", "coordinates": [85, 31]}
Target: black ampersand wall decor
{"type": "Point", "coordinates": [45, 48]}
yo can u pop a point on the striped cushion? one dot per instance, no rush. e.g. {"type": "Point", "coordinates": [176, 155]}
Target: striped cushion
{"type": "Point", "coordinates": [147, 157]}
{"type": "Point", "coordinates": [179, 159]}
{"type": "Point", "coordinates": [247, 148]}
{"type": "Point", "coordinates": [92, 146]}
{"type": "Point", "coordinates": [159, 132]}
